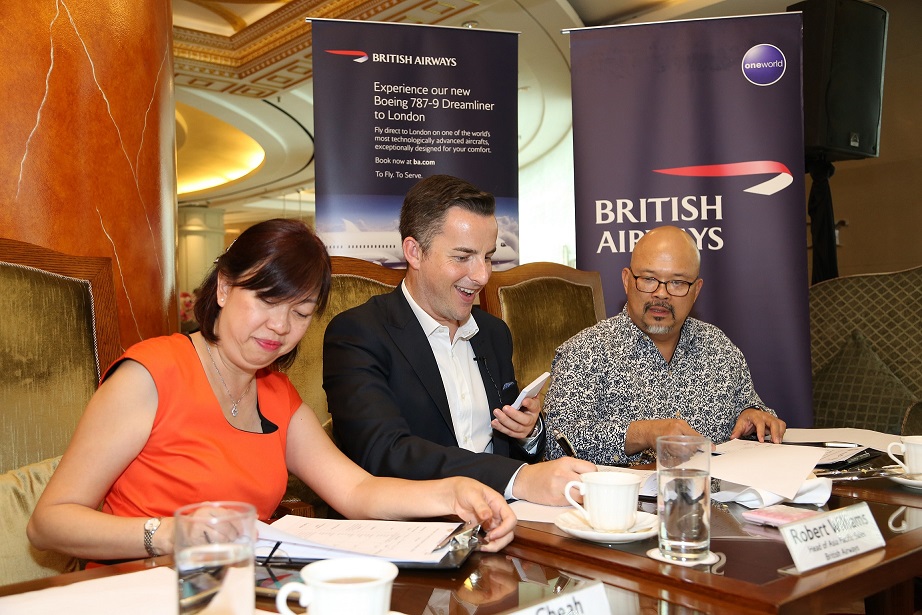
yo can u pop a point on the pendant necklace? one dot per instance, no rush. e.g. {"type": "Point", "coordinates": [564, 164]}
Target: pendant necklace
{"type": "Point", "coordinates": [227, 390]}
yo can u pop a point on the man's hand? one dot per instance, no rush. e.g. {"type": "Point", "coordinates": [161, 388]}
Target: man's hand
{"type": "Point", "coordinates": [517, 423]}
{"type": "Point", "coordinates": [642, 435]}
{"type": "Point", "coordinates": [753, 420]}
{"type": "Point", "coordinates": [543, 482]}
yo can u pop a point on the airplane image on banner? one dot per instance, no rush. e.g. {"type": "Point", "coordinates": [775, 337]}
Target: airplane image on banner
{"type": "Point", "coordinates": [386, 247]}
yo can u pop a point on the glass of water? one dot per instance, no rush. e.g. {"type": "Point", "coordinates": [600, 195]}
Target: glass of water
{"type": "Point", "coordinates": [213, 551]}
{"type": "Point", "coordinates": [683, 502]}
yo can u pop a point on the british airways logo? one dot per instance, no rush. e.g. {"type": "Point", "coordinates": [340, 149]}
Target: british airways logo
{"type": "Point", "coordinates": [360, 56]}
{"type": "Point", "coordinates": [395, 58]}
{"type": "Point", "coordinates": [781, 180]}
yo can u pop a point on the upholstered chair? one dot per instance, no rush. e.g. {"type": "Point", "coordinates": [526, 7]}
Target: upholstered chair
{"type": "Point", "coordinates": [544, 305]}
{"type": "Point", "coordinates": [59, 330]}
{"type": "Point", "coordinates": [354, 282]}
{"type": "Point", "coordinates": [866, 347]}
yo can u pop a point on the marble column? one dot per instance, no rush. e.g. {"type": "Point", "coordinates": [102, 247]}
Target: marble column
{"type": "Point", "coordinates": [88, 164]}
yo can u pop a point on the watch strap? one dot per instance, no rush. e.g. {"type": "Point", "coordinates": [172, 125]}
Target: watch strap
{"type": "Point", "coordinates": [151, 526]}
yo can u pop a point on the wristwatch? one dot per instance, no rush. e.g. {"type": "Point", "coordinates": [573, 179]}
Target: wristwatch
{"type": "Point", "coordinates": [150, 526]}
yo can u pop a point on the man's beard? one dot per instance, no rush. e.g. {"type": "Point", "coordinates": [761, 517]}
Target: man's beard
{"type": "Point", "coordinates": [658, 329]}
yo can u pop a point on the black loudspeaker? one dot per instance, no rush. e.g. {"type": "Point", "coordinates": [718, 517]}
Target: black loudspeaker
{"type": "Point", "coordinates": [844, 50]}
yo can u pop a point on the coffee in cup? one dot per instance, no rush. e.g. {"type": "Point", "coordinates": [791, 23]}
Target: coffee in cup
{"type": "Point", "coordinates": [342, 585]}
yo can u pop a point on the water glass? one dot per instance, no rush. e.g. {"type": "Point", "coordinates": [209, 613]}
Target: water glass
{"type": "Point", "coordinates": [213, 551]}
{"type": "Point", "coordinates": [683, 502]}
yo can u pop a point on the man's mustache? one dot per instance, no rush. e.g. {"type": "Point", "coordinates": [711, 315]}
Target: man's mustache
{"type": "Point", "coordinates": [659, 304]}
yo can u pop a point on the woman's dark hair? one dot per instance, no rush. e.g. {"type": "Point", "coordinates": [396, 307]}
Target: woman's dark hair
{"type": "Point", "coordinates": [426, 206]}
{"type": "Point", "coordinates": [280, 260]}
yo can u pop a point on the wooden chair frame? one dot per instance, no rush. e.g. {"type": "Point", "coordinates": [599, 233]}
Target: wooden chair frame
{"type": "Point", "coordinates": [346, 265]}
{"type": "Point", "coordinates": [489, 296]}
{"type": "Point", "coordinates": [97, 270]}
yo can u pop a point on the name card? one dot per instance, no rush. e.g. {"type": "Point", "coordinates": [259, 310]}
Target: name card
{"type": "Point", "coordinates": [832, 537]}
{"type": "Point", "coordinates": [588, 600]}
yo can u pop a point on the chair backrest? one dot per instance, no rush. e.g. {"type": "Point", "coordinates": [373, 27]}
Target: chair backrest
{"type": "Point", "coordinates": [866, 347]}
{"type": "Point", "coordinates": [354, 282]}
{"type": "Point", "coordinates": [19, 560]}
{"type": "Point", "coordinates": [59, 330]}
{"type": "Point", "coordinates": [544, 305]}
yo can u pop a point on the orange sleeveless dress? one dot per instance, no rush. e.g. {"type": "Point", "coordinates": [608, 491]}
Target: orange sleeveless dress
{"type": "Point", "coordinates": [193, 453]}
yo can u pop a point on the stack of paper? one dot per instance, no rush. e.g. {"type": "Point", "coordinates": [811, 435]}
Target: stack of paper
{"type": "Point", "coordinates": [305, 538]}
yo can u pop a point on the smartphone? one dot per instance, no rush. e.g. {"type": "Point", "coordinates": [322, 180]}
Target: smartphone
{"type": "Point", "coordinates": [531, 390]}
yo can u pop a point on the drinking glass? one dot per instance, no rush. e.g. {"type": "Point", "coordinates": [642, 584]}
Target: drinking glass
{"type": "Point", "coordinates": [213, 551]}
{"type": "Point", "coordinates": [683, 501]}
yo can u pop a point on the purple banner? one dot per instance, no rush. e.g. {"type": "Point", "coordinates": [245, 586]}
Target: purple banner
{"type": "Point", "coordinates": [698, 124]}
{"type": "Point", "coordinates": [394, 103]}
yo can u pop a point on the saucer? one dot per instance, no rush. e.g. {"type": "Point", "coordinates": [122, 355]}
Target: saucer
{"type": "Point", "coordinates": [908, 482]}
{"type": "Point", "coordinates": [711, 558]}
{"type": "Point", "coordinates": [573, 524]}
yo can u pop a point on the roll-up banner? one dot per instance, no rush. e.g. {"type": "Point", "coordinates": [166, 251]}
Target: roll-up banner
{"type": "Point", "coordinates": [699, 124]}
{"type": "Point", "coordinates": [394, 103]}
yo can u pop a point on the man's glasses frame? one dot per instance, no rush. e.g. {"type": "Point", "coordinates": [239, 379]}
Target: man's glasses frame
{"type": "Point", "coordinates": [649, 284]}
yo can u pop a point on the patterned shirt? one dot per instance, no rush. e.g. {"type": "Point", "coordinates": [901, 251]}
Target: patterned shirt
{"type": "Point", "coordinates": [612, 374]}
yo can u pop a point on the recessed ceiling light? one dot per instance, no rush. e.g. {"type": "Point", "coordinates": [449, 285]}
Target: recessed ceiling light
{"type": "Point", "coordinates": [470, 24]}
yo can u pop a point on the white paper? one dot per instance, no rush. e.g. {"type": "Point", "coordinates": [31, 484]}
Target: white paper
{"type": "Point", "coordinates": [542, 513]}
{"type": "Point", "coordinates": [813, 491]}
{"type": "Point", "coordinates": [397, 541]}
{"type": "Point", "coordinates": [777, 468]}
{"type": "Point", "coordinates": [835, 454]}
{"type": "Point", "coordinates": [864, 437]}
{"type": "Point", "coordinates": [647, 487]}
{"type": "Point", "coordinates": [148, 592]}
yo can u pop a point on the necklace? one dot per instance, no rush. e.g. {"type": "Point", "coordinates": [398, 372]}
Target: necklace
{"type": "Point", "coordinates": [227, 390]}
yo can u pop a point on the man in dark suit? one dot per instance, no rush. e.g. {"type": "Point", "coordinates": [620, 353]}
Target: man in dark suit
{"type": "Point", "coordinates": [418, 380]}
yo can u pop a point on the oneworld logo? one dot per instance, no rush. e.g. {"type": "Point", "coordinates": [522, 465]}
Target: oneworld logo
{"type": "Point", "coordinates": [763, 64]}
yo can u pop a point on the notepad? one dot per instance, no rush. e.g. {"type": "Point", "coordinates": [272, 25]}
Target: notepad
{"type": "Point", "coordinates": [306, 538]}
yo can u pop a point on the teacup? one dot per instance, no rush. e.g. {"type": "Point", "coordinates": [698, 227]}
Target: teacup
{"type": "Point", "coordinates": [911, 448]}
{"type": "Point", "coordinates": [609, 499]}
{"type": "Point", "coordinates": [342, 585]}
{"type": "Point", "coordinates": [912, 520]}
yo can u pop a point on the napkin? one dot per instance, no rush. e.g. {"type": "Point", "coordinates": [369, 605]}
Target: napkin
{"type": "Point", "coordinates": [812, 491]}
{"type": "Point", "coordinates": [148, 592]}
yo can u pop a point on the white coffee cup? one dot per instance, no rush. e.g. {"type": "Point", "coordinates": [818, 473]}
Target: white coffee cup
{"type": "Point", "coordinates": [911, 449]}
{"type": "Point", "coordinates": [912, 519]}
{"type": "Point", "coordinates": [609, 499]}
{"type": "Point", "coordinates": [342, 585]}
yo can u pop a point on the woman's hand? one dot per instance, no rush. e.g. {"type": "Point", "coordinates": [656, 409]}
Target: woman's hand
{"type": "Point", "coordinates": [477, 503]}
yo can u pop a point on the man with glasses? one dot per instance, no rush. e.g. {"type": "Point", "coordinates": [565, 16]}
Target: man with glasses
{"type": "Point", "coordinates": [651, 370]}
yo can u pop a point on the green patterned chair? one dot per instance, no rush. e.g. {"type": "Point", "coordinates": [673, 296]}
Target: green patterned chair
{"type": "Point", "coordinates": [544, 304]}
{"type": "Point", "coordinates": [59, 330]}
{"type": "Point", "coordinates": [866, 344]}
{"type": "Point", "coordinates": [354, 282]}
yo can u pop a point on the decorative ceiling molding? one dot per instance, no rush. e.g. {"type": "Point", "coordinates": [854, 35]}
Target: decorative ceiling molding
{"type": "Point", "coordinates": [273, 54]}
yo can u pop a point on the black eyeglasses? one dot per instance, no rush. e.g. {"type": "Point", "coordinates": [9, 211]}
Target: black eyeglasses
{"type": "Point", "coordinates": [676, 288]}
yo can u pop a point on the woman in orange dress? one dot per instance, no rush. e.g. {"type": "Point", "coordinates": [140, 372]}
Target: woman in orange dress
{"type": "Point", "coordinates": [209, 416]}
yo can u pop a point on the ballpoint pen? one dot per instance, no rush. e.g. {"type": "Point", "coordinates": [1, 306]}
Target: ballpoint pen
{"type": "Point", "coordinates": [564, 443]}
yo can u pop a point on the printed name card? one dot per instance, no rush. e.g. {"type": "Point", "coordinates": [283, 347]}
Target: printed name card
{"type": "Point", "coordinates": [589, 600]}
{"type": "Point", "coordinates": [832, 537]}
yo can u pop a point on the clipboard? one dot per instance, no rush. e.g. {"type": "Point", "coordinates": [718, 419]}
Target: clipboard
{"type": "Point", "coordinates": [452, 560]}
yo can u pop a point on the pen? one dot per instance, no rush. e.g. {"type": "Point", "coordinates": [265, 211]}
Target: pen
{"type": "Point", "coordinates": [564, 443]}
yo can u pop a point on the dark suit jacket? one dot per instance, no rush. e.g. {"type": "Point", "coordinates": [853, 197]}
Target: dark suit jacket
{"type": "Point", "coordinates": [389, 406]}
